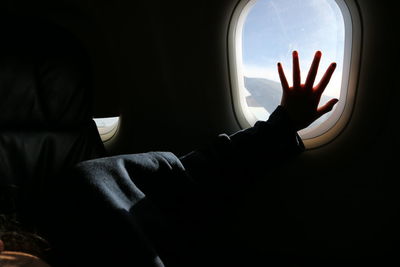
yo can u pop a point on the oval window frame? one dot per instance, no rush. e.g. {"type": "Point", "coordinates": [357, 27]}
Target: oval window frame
{"type": "Point", "coordinates": [337, 121]}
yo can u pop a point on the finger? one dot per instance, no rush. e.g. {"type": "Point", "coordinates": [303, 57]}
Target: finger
{"type": "Point", "coordinates": [327, 107]}
{"type": "Point", "coordinates": [296, 70]}
{"type": "Point", "coordinates": [313, 70]}
{"type": "Point", "coordinates": [282, 77]}
{"type": "Point", "coordinates": [325, 80]}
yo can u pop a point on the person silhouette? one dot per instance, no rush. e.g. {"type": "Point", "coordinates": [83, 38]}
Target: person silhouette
{"type": "Point", "coordinates": [155, 209]}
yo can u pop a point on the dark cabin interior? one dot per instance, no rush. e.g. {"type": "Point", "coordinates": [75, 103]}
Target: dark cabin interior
{"type": "Point", "coordinates": [163, 67]}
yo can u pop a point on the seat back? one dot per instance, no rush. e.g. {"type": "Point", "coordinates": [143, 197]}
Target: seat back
{"type": "Point", "coordinates": [46, 121]}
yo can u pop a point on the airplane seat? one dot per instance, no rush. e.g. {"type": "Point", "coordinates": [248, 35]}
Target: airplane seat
{"type": "Point", "coordinates": [46, 123]}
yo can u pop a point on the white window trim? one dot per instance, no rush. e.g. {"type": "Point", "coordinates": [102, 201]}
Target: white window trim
{"type": "Point", "coordinates": [108, 132]}
{"type": "Point", "coordinates": [339, 118]}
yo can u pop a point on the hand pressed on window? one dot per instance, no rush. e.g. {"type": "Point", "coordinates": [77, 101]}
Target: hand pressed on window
{"type": "Point", "coordinates": [301, 100]}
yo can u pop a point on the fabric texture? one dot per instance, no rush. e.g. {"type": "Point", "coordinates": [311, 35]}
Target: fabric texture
{"type": "Point", "coordinates": [154, 209]}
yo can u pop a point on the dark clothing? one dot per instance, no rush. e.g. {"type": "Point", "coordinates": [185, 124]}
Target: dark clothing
{"type": "Point", "coordinates": [155, 209]}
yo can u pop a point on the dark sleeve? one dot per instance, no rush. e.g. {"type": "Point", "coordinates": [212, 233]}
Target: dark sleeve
{"type": "Point", "coordinates": [235, 160]}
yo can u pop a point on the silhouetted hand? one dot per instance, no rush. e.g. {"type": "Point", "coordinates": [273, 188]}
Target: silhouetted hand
{"type": "Point", "coordinates": [301, 100]}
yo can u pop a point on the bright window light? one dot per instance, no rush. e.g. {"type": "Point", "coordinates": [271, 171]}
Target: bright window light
{"type": "Point", "coordinates": [107, 127]}
{"type": "Point", "coordinates": [265, 32]}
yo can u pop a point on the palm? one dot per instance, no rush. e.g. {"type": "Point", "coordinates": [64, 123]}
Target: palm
{"type": "Point", "coordinates": [301, 100]}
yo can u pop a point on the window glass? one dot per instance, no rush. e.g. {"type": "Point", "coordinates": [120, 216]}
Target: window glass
{"type": "Point", "coordinates": [270, 31]}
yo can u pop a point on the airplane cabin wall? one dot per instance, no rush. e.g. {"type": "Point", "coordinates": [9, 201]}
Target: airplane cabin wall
{"type": "Point", "coordinates": [161, 65]}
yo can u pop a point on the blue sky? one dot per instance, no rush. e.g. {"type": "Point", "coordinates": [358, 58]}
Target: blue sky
{"type": "Point", "coordinates": [274, 28]}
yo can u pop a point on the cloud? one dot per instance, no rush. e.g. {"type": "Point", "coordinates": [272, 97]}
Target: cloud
{"type": "Point", "coordinates": [261, 72]}
{"type": "Point", "coordinates": [332, 90]}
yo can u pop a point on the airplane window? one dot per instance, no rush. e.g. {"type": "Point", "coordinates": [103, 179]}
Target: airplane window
{"type": "Point", "coordinates": [264, 32]}
{"type": "Point", "coordinates": [107, 127]}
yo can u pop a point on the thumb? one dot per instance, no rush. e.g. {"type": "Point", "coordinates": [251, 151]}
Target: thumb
{"type": "Point", "coordinates": [327, 107]}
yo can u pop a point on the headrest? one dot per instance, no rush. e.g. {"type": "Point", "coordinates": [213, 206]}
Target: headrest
{"type": "Point", "coordinates": [45, 78]}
